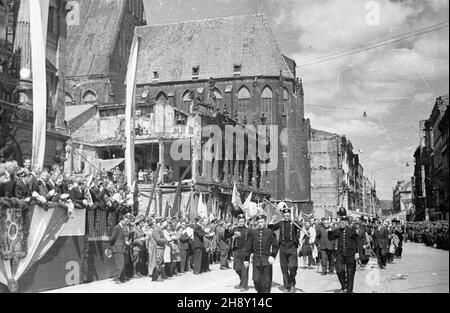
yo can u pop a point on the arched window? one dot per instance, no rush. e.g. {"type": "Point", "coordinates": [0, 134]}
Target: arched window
{"type": "Point", "coordinates": [244, 98]}
{"type": "Point", "coordinates": [186, 101]}
{"type": "Point", "coordinates": [267, 103]}
{"type": "Point", "coordinates": [89, 97]}
{"type": "Point", "coordinates": [162, 98]}
{"type": "Point", "coordinates": [218, 95]}
{"type": "Point", "coordinates": [285, 108]}
{"type": "Point", "coordinates": [68, 98]}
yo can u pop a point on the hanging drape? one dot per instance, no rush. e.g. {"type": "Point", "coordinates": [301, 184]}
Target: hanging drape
{"type": "Point", "coordinates": [130, 111]}
{"type": "Point", "coordinates": [38, 36]}
{"type": "Point", "coordinates": [44, 230]}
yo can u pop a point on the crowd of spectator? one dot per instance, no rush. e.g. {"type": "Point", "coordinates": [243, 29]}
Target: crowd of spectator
{"type": "Point", "coordinates": [433, 234]}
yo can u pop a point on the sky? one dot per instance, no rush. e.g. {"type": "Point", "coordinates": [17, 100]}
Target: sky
{"type": "Point", "coordinates": [395, 84]}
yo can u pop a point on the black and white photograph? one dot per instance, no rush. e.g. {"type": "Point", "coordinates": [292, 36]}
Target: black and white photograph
{"type": "Point", "coordinates": [212, 147]}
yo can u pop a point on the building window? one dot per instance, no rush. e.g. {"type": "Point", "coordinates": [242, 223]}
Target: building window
{"type": "Point", "coordinates": [68, 98]}
{"type": "Point", "coordinates": [196, 72]}
{"type": "Point", "coordinates": [244, 98]}
{"type": "Point", "coordinates": [186, 101]}
{"type": "Point", "coordinates": [162, 98]}
{"type": "Point", "coordinates": [237, 69]}
{"type": "Point", "coordinates": [218, 95]}
{"type": "Point", "coordinates": [267, 103]}
{"type": "Point", "coordinates": [89, 97]}
{"type": "Point", "coordinates": [285, 108]}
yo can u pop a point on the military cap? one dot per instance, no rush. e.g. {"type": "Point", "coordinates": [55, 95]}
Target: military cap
{"type": "Point", "coordinates": [286, 211]}
{"type": "Point", "coordinates": [261, 217]}
{"type": "Point", "coordinates": [241, 216]}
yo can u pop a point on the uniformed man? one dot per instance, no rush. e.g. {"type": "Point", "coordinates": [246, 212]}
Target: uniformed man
{"type": "Point", "coordinates": [289, 242]}
{"type": "Point", "coordinates": [347, 253]}
{"type": "Point", "coordinates": [264, 247]}
{"type": "Point", "coordinates": [239, 241]}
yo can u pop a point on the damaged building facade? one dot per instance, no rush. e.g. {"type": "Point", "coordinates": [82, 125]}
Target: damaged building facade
{"type": "Point", "coordinates": [186, 79]}
{"type": "Point", "coordinates": [338, 177]}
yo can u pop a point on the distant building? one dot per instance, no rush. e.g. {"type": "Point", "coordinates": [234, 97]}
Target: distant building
{"type": "Point", "coordinates": [385, 207]}
{"type": "Point", "coordinates": [337, 177]}
{"type": "Point", "coordinates": [402, 203]}
{"type": "Point", "coordinates": [431, 183]}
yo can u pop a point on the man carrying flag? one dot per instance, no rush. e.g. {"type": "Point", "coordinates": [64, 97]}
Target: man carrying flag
{"type": "Point", "coordinates": [289, 242]}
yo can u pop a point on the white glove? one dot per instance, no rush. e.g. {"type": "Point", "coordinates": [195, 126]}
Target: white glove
{"type": "Point", "coordinates": [85, 202]}
{"type": "Point", "coordinates": [246, 264]}
{"type": "Point", "coordinates": [356, 256]}
{"type": "Point", "coordinates": [271, 260]}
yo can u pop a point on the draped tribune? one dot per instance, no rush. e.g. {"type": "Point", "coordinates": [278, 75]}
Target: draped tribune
{"type": "Point", "coordinates": [27, 232]}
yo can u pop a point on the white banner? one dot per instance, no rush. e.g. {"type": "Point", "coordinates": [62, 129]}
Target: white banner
{"type": "Point", "coordinates": [130, 111]}
{"type": "Point", "coordinates": [38, 37]}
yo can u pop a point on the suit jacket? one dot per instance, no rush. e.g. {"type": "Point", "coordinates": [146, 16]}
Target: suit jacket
{"type": "Point", "coordinates": [199, 237]}
{"type": "Point", "coordinates": [323, 241]}
{"type": "Point", "coordinates": [160, 239]}
{"type": "Point", "coordinates": [77, 197]}
{"type": "Point", "coordinates": [381, 238]}
{"type": "Point", "coordinates": [117, 242]}
{"type": "Point", "coordinates": [21, 191]}
{"type": "Point", "coordinates": [222, 241]}
{"type": "Point", "coordinates": [184, 241]}
{"type": "Point", "coordinates": [33, 185]}
{"type": "Point", "coordinates": [9, 186]}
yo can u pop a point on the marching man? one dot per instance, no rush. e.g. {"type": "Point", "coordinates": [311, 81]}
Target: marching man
{"type": "Point", "coordinates": [239, 244]}
{"type": "Point", "coordinates": [264, 247]}
{"type": "Point", "coordinates": [289, 242]}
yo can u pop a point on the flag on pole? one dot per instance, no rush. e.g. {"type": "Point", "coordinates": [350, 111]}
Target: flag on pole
{"type": "Point", "coordinates": [236, 198]}
{"type": "Point", "coordinates": [130, 111]}
{"type": "Point", "coordinates": [202, 208]}
{"type": "Point", "coordinates": [38, 38]}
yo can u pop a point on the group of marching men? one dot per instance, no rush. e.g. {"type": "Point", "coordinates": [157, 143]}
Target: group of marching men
{"type": "Point", "coordinates": [170, 247]}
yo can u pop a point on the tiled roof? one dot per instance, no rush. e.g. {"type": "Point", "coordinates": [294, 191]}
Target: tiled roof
{"type": "Point", "coordinates": [90, 44]}
{"type": "Point", "coordinates": [216, 45]}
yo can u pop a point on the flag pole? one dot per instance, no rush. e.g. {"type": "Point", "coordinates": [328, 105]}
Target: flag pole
{"type": "Point", "coordinates": [130, 110]}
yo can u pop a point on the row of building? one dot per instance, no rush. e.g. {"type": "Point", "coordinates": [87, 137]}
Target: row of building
{"type": "Point", "coordinates": [430, 183]}
{"type": "Point", "coordinates": [219, 71]}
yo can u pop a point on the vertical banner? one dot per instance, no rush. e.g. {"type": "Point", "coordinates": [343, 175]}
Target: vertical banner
{"type": "Point", "coordinates": [130, 112]}
{"type": "Point", "coordinates": [38, 37]}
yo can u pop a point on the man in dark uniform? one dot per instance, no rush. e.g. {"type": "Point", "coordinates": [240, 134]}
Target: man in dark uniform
{"type": "Point", "coordinates": [289, 242]}
{"type": "Point", "coordinates": [347, 253]}
{"type": "Point", "coordinates": [118, 246]}
{"type": "Point", "coordinates": [264, 247]}
{"type": "Point", "coordinates": [240, 238]}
